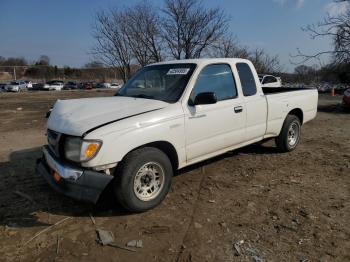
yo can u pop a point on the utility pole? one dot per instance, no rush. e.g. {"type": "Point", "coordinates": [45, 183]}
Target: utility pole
{"type": "Point", "coordinates": [14, 72]}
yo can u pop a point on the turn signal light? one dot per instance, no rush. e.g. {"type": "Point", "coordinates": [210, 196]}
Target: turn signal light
{"type": "Point", "coordinates": [91, 150]}
{"type": "Point", "coordinates": [56, 176]}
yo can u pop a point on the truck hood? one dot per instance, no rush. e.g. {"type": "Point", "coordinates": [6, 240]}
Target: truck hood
{"type": "Point", "coordinates": [77, 116]}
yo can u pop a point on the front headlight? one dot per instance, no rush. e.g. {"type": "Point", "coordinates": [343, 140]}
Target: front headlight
{"type": "Point", "coordinates": [79, 150]}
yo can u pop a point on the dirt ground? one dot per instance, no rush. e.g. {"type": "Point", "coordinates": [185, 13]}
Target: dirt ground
{"type": "Point", "coordinates": [253, 204]}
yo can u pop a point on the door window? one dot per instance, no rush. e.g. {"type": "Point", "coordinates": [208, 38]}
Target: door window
{"type": "Point", "coordinates": [247, 79]}
{"type": "Point", "coordinates": [218, 79]}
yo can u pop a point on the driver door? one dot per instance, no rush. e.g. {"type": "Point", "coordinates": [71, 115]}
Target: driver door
{"type": "Point", "coordinates": [211, 128]}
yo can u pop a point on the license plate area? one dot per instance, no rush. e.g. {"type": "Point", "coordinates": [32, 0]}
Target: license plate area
{"type": "Point", "coordinates": [56, 176]}
{"type": "Point", "coordinates": [59, 171]}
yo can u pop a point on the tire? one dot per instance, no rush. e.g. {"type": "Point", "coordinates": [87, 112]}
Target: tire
{"type": "Point", "coordinates": [137, 172]}
{"type": "Point", "coordinates": [289, 136]}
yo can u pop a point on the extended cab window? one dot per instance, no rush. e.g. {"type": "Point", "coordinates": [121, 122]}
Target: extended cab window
{"type": "Point", "coordinates": [218, 79]}
{"type": "Point", "coordinates": [247, 79]}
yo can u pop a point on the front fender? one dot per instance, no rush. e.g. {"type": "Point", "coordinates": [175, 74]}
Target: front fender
{"type": "Point", "coordinates": [116, 144]}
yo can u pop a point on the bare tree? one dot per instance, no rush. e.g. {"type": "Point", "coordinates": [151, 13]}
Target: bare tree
{"type": "Point", "coordinates": [228, 47]}
{"type": "Point", "coordinates": [112, 47]}
{"type": "Point", "coordinates": [335, 27]}
{"type": "Point", "coordinates": [94, 64]}
{"type": "Point", "coordinates": [13, 61]}
{"type": "Point", "coordinates": [189, 28]}
{"type": "Point", "coordinates": [263, 62]}
{"type": "Point", "coordinates": [138, 35]}
{"type": "Point", "coordinates": [128, 36]}
{"type": "Point", "coordinates": [302, 70]}
{"type": "Point", "coordinates": [43, 60]}
{"type": "Point", "coordinates": [142, 28]}
{"type": "Point", "coordinates": [306, 74]}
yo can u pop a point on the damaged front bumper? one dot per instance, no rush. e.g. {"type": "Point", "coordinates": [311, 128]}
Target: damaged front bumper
{"type": "Point", "coordinates": [80, 184]}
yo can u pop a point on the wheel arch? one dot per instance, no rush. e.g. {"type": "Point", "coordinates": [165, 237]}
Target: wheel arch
{"type": "Point", "coordinates": [298, 113]}
{"type": "Point", "coordinates": [164, 146]}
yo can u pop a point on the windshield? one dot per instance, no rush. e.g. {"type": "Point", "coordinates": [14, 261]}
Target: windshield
{"type": "Point", "coordinates": [160, 82]}
{"type": "Point", "coordinates": [15, 83]}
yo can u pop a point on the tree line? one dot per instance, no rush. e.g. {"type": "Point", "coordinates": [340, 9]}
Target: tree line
{"type": "Point", "coordinates": [42, 69]}
{"type": "Point", "coordinates": [129, 38]}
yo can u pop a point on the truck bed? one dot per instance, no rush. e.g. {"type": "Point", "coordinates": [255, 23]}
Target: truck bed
{"type": "Point", "coordinates": [275, 90]}
{"type": "Point", "coordinates": [280, 101]}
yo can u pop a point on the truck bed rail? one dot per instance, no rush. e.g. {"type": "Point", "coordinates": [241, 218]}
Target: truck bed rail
{"type": "Point", "coordinates": [274, 90]}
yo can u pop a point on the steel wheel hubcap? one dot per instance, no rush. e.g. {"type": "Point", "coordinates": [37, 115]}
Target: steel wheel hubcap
{"type": "Point", "coordinates": [149, 181]}
{"type": "Point", "coordinates": [293, 134]}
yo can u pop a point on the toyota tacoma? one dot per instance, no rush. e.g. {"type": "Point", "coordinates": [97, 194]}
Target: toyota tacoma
{"type": "Point", "coordinates": [167, 116]}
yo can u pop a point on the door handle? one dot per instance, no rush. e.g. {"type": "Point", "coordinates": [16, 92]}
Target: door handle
{"type": "Point", "coordinates": [238, 109]}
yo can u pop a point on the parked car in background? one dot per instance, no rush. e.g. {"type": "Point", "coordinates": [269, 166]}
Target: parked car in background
{"type": "Point", "coordinates": [29, 84]}
{"type": "Point", "coordinates": [346, 99]}
{"type": "Point", "coordinates": [116, 85]}
{"type": "Point", "coordinates": [192, 111]}
{"type": "Point", "coordinates": [270, 81]}
{"type": "Point", "coordinates": [103, 85]}
{"type": "Point", "coordinates": [87, 85]}
{"type": "Point", "coordinates": [2, 86]}
{"type": "Point", "coordinates": [70, 85]}
{"type": "Point", "coordinates": [16, 86]}
{"type": "Point", "coordinates": [324, 87]}
{"type": "Point", "coordinates": [53, 85]}
{"type": "Point", "coordinates": [38, 86]}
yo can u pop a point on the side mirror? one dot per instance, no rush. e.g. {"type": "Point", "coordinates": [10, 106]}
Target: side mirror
{"type": "Point", "coordinates": [205, 98]}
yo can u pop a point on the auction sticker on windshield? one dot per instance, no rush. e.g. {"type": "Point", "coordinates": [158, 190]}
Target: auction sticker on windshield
{"type": "Point", "coordinates": [178, 71]}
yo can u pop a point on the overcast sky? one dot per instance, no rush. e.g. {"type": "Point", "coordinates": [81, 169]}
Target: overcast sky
{"type": "Point", "coordinates": [62, 29]}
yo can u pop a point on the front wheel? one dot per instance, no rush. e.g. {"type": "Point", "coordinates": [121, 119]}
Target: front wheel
{"type": "Point", "coordinates": [143, 179]}
{"type": "Point", "coordinates": [289, 136]}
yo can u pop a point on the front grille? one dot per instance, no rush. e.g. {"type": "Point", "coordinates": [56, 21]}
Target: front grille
{"type": "Point", "coordinates": [54, 140]}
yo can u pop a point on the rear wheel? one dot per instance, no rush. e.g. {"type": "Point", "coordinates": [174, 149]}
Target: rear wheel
{"type": "Point", "coordinates": [143, 179]}
{"type": "Point", "coordinates": [289, 136]}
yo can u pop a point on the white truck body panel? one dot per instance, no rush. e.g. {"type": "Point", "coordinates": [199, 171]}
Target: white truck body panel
{"type": "Point", "coordinates": [279, 105]}
{"type": "Point", "coordinates": [196, 132]}
{"type": "Point", "coordinates": [76, 116]}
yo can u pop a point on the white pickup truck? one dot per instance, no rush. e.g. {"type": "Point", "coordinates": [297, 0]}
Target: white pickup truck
{"type": "Point", "coordinates": [167, 116]}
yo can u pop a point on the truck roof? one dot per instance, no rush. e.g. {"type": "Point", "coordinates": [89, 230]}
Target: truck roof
{"type": "Point", "coordinates": [200, 61]}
